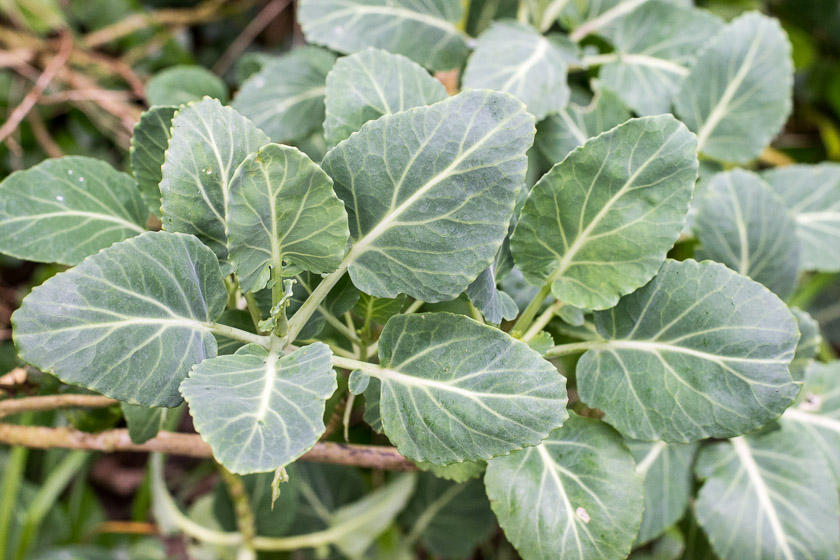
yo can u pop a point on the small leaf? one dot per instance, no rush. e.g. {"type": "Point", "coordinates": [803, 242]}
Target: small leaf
{"type": "Point", "coordinates": [148, 150]}
{"type": "Point", "coordinates": [808, 345]}
{"type": "Point", "coordinates": [358, 382]}
{"type": "Point", "coordinates": [742, 224]}
{"type": "Point", "coordinates": [599, 224]}
{"type": "Point", "coordinates": [494, 304]}
{"type": "Point", "coordinates": [378, 310]}
{"type": "Point", "coordinates": [541, 343]}
{"type": "Point", "coordinates": [364, 86]}
{"type": "Point", "coordinates": [768, 496]}
{"type": "Point", "coordinates": [179, 85]}
{"type": "Point", "coordinates": [282, 212]}
{"type": "Point", "coordinates": [423, 31]}
{"type": "Point", "coordinates": [129, 321]}
{"type": "Point", "coordinates": [260, 411]}
{"type": "Point", "coordinates": [372, 415]}
{"type": "Point", "coordinates": [515, 58]}
{"type": "Point", "coordinates": [208, 143]}
{"type": "Point", "coordinates": [738, 93]}
{"type": "Point", "coordinates": [286, 97]}
{"type": "Point", "coordinates": [575, 496]}
{"type": "Point", "coordinates": [143, 422]}
{"type": "Point", "coordinates": [455, 390]}
{"type": "Point", "coordinates": [699, 352]}
{"type": "Point", "coordinates": [456, 472]}
{"type": "Point", "coordinates": [62, 210]}
{"type": "Point", "coordinates": [428, 172]}
{"type": "Point", "coordinates": [811, 193]}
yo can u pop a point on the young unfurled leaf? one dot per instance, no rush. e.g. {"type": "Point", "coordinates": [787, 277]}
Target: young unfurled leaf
{"type": "Point", "coordinates": [208, 143]}
{"type": "Point", "coordinates": [63, 210]}
{"type": "Point", "coordinates": [700, 351]}
{"type": "Point", "coordinates": [364, 86]}
{"type": "Point", "coordinates": [455, 390]}
{"type": "Point", "coordinates": [286, 97]}
{"type": "Point", "coordinates": [773, 491]}
{"type": "Point", "coordinates": [282, 211]}
{"type": "Point", "coordinates": [179, 85]}
{"type": "Point", "coordinates": [738, 93]}
{"type": "Point", "coordinates": [742, 224]}
{"type": "Point", "coordinates": [576, 496]}
{"type": "Point", "coordinates": [424, 31]}
{"type": "Point", "coordinates": [430, 192]}
{"type": "Point", "coordinates": [599, 224]}
{"type": "Point", "coordinates": [494, 304]}
{"type": "Point", "coordinates": [514, 58]}
{"type": "Point", "coordinates": [260, 411]}
{"type": "Point", "coordinates": [128, 322]}
{"type": "Point", "coordinates": [811, 193]}
{"type": "Point", "coordinates": [148, 150]}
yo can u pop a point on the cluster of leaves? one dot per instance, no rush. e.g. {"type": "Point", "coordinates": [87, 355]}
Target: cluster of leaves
{"type": "Point", "coordinates": [347, 212]}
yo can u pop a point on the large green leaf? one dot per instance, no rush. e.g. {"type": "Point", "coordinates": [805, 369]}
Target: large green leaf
{"type": "Point", "coordinates": [260, 410]}
{"type": "Point", "coordinates": [282, 212]}
{"type": "Point", "coordinates": [179, 85]}
{"type": "Point", "coordinates": [738, 93]}
{"type": "Point", "coordinates": [655, 45]}
{"type": "Point", "coordinates": [666, 468]}
{"type": "Point", "coordinates": [575, 496]}
{"type": "Point", "coordinates": [599, 224]}
{"type": "Point", "coordinates": [569, 128]}
{"type": "Point", "coordinates": [430, 192]}
{"type": "Point", "coordinates": [768, 496]}
{"type": "Point", "coordinates": [208, 142]}
{"type": "Point", "coordinates": [742, 224]}
{"type": "Point", "coordinates": [453, 389]}
{"type": "Point", "coordinates": [286, 97]}
{"type": "Point", "coordinates": [423, 30]}
{"type": "Point", "coordinates": [699, 352]}
{"type": "Point", "coordinates": [364, 86]}
{"type": "Point", "coordinates": [515, 58]}
{"type": "Point", "coordinates": [812, 194]}
{"type": "Point", "coordinates": [128, 322]}
{"type": "Point", "coordinates": [63, 210]}
{"type": "Point", "coordinates": [148, 149]}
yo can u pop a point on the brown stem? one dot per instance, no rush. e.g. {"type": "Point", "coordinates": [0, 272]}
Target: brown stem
{"type": "Point", "coordinates": [191, 445]}
{"type": "Point", "coordinates": [52, 402]}
{"type": "Point", "coordinates": [271, 10]}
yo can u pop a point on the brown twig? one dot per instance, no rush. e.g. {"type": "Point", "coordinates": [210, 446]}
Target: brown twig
{"type": "Point", "coordinates": [191, 445]}
{"type": "Point", "coordinates": [271, 10]}
{"type": "Point", "coordinates": [47, 143]}
{"type": "Point", "coordinates": [41, 84]}
{"type": "Point", "coordinates": [52, 402]}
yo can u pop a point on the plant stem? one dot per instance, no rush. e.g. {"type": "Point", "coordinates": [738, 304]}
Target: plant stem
{"type": "Point", "coordinates": [339, 326]}
{"type": "Point", "coordinates": [415, 305]}
{"type": "Point", "coordinates": [810, 288]}
{"type": "Point", "coordinates": [530, 312]}
{"type": "Point", "coordinates": [239, 334]}
{"type": "Point", "coordinates": [348, 411]}
{"type": "Point", "coordinates": [253, 309]}
{"type": "Point", "coordinates": [12, 476]}
{"type": "Point", "coordinates": [245, 521]}
{"type": "Point", "coordinates": [541, 321]}
{"type": "Point", "coordinates": [52, 402]}
{"type": "Point", "coordinates": [311, 304]}
{"type": "Point", "coordinates": [572, 348]}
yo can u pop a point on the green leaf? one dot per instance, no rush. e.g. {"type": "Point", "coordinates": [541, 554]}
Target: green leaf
{"type": "Point", "coordinates": [494, 304]}
{"type": "Point", "coordinates": [666, 468]}
{"type": "Point", "coordinates": [129, 321]}
{"type": "Point", "coordinates": [63, 210]}
{"type": "Point", "coordinates": [742, 224]}
{"type": "Point", "coordinates": [179, 85]}
{"type": "Point", "coordinates": [599, 224]}
{"type": "Point", "coordinates": [670, 546]}
{"type": "Point", "coordinates": [569, 128]}
{"type": "Point", "coordinates": [655, 45]}
{"type": "Point", "coordinates": [514, 58]}
{"type": "Point", "coordinates": [364, 86]}
{"type": "Point", "coordinates": [208, 143]}
{"type": "Point", "coordinates": [358, 382]}
{"type": "Point", "coordinates": [282, 212]}
{"type": "Point", "coordinates": [422, 30]}
{"type": "Point", "coordinates": [811, 193]}
{"type": "Point", "coordinates": [428, 172]}
{"type": "Point", "coordinates": [272, 518]}
{"type": "Point", "coordinates": [456, 472]}
{"type": "Point", "coordinates": [768, 496]}
{"type": "Point", "coordinates": [378, 310]}
{"type": "Point", "coordinates": [448, 518]}
{"type": "Point", "coordinates": [808, 345]}
{"type": "Point", "coordinates": [455, 390]}
{"type": "Point", "coordinates": [575, 496]}
{"type": "Point", "coordinates": [148, 149]}
{"type": "Point", "coordinates": [286, 97]}
{"type": "Point", "coordinates": [258, 410]}
{"type": "Point", "coordinates": [699, 352]}
{"type": "Point", "coordinates": [542, 343]}
{"type": "Point", "coordinates": [372, 416]}
{"type": "Point", "coordinates": [143, 422]}
{"type": "Point", "coordinates": [237, 318]}
{"type": "Point", "coordinates": [738, 93]}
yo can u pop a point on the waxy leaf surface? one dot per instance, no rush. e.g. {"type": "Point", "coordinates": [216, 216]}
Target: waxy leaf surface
{"type": "Point", "coordinates": [128, 322]}
{"type": "Point", "coordinates": [148, 151]}
{"type": "Point", "coordinates": [179, 85]}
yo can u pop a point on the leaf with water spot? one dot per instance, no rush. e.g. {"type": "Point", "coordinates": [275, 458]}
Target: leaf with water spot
{"type": "Point", "coordinates": [599, 224]}
{"type": "Point", "coordinates": [768, 496]}
{"type": "Point", "coordinates": [453, 389]}
{"type": "Point", "coordinates": [260, 410]}
{"type": "Point", "coordinates": [738, 93]}
{"type": "Point", "coordinates": [62, 210]}
{"type": "Point", "coordinates": [575, 496]}
{"type": "Point", "coordinates": [129, 321]}
{"type": "Point", "coordinates": [700, 351]}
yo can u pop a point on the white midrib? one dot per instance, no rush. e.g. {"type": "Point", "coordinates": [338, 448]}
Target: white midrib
{"type": "Point", "coordinates": [810, 217]}
{"type": "Point", "coordinates": [138, 321]}
{"type": "Point", "coordinates": [744, 260]}
{"type": "Point", "coordinates": [539, 52]}
{"type": "Point", "coordinates": [742, 449]}
{"type": "Point", "coordinates": [814, 419]}
{"type": "Point", "coordinates": [664, 347]}
{"type": "Point", "coordinates": [80, 213]}
{"type": "Point", "coordinates": [605, 18]}
{"type": "Point", "coordinates": [390, 11]}
{"type": "Point", "coordinates": [548, 463]}
{"type": "Point", "coordinates": [638, 60]}
{"type": "Point", "coordinates": [295, 99]}
{"type": "Point", "coordinates": [644, 465]}
{"type": "Point", "coordinates": [551, 13]}
{"type": "Point", "coordinates": [270, 372]}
